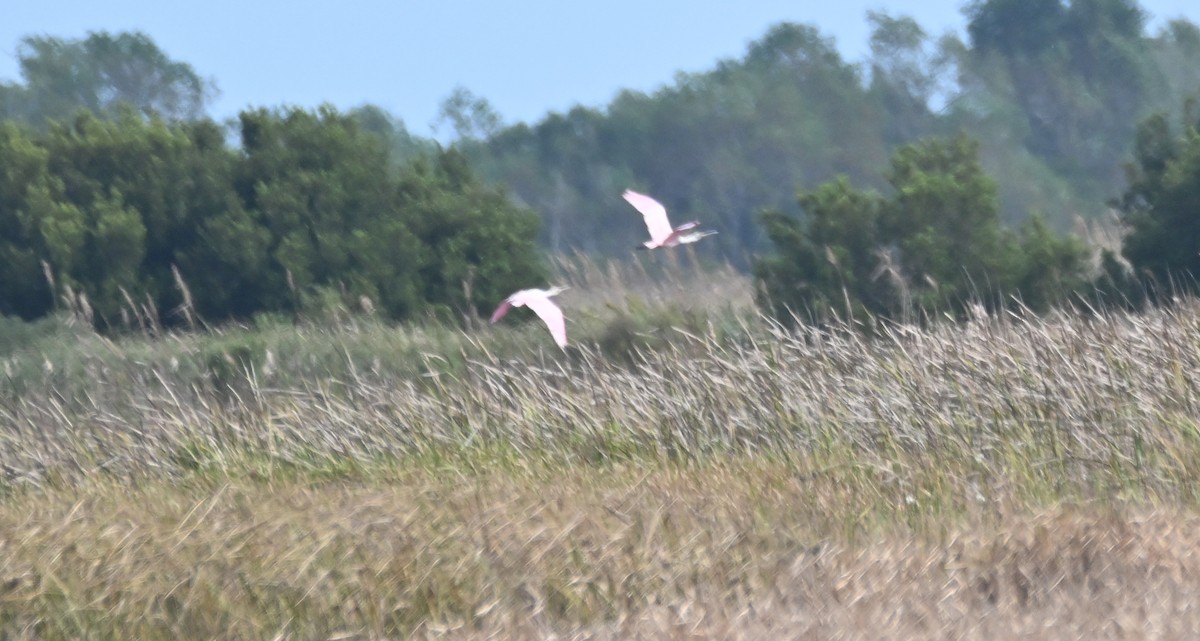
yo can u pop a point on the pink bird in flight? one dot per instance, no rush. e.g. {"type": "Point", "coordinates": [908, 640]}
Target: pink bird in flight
{"type": "Point", "coordinates": [661, 232]}
{"type": "Point", "coordinates": [539, 301]}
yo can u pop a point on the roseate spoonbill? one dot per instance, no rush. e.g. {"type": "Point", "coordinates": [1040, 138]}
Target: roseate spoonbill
{"type": "Point", "coordinates": [539, 301]}
{"type": "Point", "coordinates": [661, 233]}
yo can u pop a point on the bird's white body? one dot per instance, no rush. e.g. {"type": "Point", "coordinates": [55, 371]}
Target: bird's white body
{"type": "Point", "coordinates": [659, 226]}
{"type": "Point", "coordinates": [539, 301]}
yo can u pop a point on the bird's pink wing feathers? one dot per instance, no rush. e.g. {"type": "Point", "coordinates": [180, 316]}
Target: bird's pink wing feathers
{"type": "Point", "coordinates": [654, 213]}
{"type": "Point", "coordinates": [502, 309]}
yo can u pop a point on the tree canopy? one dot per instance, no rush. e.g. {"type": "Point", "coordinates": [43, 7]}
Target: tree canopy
{"type": "Point", "coordinates": [935, 244]}
{"type": "Point", "coordinates": [935, 170]}
{"type": "Point", "coordinates": [1162, 203]}
{"type": "Point", "coordinates": [143, 214]}
{"type": "Point", "coordinates": [101, 73]}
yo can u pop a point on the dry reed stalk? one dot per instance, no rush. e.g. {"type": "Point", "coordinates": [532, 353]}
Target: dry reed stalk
{"type": "Point", "coordinates": [187, 307]}
{"type": "Point", "coordinates": [757, 483]}
{"type": "Point", "coordinates": [1060, 400]}
{"type": "Point", "coordinates": [724, 552]}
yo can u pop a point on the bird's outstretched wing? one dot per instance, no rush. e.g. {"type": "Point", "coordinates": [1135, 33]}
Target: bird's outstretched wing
{"type": "Point", "coordinates": [654, 213]}
{"type": "Point", "coordinates": [551, 315]}
{"type": "Point", "coordinates": [694, 236]}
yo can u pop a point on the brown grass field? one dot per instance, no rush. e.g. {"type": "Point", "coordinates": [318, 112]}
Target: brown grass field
{"type": "Point", "coordinates": [686, 470]}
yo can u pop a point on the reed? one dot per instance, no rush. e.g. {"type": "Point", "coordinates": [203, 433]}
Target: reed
{"type": "Point", "coordinates": [714, 475]}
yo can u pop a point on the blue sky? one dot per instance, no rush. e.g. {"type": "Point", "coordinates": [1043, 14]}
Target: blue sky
{"type": "Point", "coordinates": [527, 57]}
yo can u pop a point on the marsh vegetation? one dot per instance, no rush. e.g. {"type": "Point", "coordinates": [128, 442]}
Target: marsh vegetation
{"type": "Point", "coordinates": [684, 470]}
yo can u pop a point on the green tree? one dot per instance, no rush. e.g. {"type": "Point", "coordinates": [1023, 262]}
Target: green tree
{"type": "Point", "coordinates": [99, 73]}
{"type": "Point", "coordinates": [103, 170]}
{"type": "Point", "coordinates": [477, 246]}
{"type": "Point", "coordinates": [1162, 203]}
{"type": "Point", "coordinates": [1014, 27]}
{"type": "Point", "coordinates": [935, 243]}
{"type": "Point", "coordinates": [109, 208]}
{"type": "Point", "coordinates": [140, 213]}
{"type": "Point", "coordinates": [340, 222]}
{"type": "Point", "coordinates": [1176, 51]}
{"type": "Point", "coordinates": [944, 220]}
{"type": "Point", "coordinates": [470, 117]}
{"type": "Point", "coordinates": [114, 245]}
{"type": "Point", "coordinates": [1048, 267]}
{"type": "Point", "coordinates": [907, 75]}
{"type": "Point", "coordinates": [405, 146]}
{"type": "Point", "coordinates": [714, 146]}
{"type": "Point", "coordinates": [36, 225]}
{"type": "Point", "coordinates": [832, 264]}
{"type": "Point", "coordinates": [168, 180]}
{"type": "Point", "coordinates": [1080, 75]}
{"type": "Point", "coordinates": [323, 191]}
{"type": "Point", "coordinates": [198, 226]}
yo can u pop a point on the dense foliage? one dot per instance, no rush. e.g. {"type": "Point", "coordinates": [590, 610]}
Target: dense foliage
{"type": "Point", "coordinates": [1162, 204]}
{"type": "Point", "coordinates": [690, 464]}
{"type": "Point", "coordinates": [133, 215]}
{"type": "Point", "coordinates": [936, 243]}
{"type": "Point", "coordinates": [101, 73]}
{"type": "Point", "coordinates": [713, 147]}
{"type": "Point", "coordinates": [1052, 90]}
{"type": "Point", "coordinates": [118, 196]}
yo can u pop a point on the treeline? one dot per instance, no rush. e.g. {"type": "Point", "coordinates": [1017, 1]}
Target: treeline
{"type": "Point", "coordinates": [166, 221]}
{"type": "Point", "coordinates": [935, 243]}
{"type": "Point", "coordinates": [1052, 90]}
{"type": "Point", "coordinates": [935, 173]}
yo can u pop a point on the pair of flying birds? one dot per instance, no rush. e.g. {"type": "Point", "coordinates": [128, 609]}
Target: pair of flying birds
{"type": "Point", "coordinates": [661, 235]}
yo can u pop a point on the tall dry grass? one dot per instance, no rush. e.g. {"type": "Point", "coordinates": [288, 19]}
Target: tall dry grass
{"type": "Point", "coordinates": [697, 473]}
{"type": "Point", "coordinates": [724, 551]}
{"type": "Point", "coordinates": [1065, 406]}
